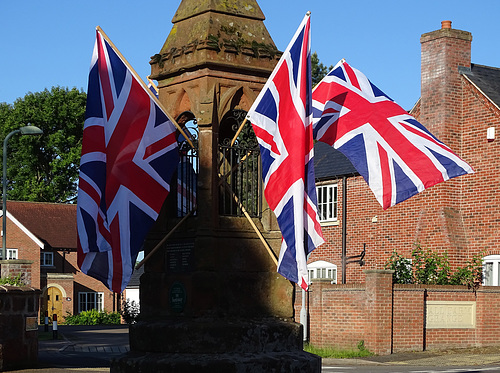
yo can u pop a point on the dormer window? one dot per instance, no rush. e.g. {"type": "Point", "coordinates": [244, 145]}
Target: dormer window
{"type": "Point", "coordinates": [327, 203]}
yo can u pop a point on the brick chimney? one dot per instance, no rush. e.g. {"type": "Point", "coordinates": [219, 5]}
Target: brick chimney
{"type": "Point", "coordinates": [445, 54]}
{"type": "Point", "coordinates": [444, 51]}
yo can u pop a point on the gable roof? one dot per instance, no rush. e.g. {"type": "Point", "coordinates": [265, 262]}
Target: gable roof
{"type": "Point", "coordinates": [330, 164]}
{"type": "Point", "coordinates": [487, 79]}
{"type": "Point", "coordinates": [54, 224]}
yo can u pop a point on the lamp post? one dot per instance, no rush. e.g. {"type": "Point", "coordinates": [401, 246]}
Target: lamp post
{"type": "Point", "coordinates": [25, 130]}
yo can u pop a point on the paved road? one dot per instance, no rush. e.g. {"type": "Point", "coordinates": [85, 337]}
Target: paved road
{"type": "Point", "coordinates": [82, 348]}
{"type": "Point", "coordinates": [90, 349]}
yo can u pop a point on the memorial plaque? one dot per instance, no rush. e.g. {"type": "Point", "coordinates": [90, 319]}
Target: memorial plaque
{"type": "Point", "coordinates": [177, 297]}
{"type": "Point", "coordinates": [450, 315]}
{"type": "Point", "coordinates": [179, 257]}
{"type": "Point", "coordinates": [31, 323]}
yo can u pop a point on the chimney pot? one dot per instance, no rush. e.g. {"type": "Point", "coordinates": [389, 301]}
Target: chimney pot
{"type": "Point", "coordinates": [445, 24]}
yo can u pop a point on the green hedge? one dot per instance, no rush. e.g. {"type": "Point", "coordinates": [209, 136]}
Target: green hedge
{"type": "Point", "coordinates": [93, 317]}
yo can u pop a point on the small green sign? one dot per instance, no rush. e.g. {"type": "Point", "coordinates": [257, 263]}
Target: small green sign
{"type": "Point", "coordinates": [177, 296]}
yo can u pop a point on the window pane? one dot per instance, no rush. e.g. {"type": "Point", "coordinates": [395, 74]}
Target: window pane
{"type": "Point", "coordinates": [100, 306]}
{"type": "Point", "coordinates": [327, 202]}
{"type": "Point", "coordinates": [488, 274]}
{"type": "Point", "coordinates": [335, 202]}
{"type": "Point", "coordinates": [82, 299]}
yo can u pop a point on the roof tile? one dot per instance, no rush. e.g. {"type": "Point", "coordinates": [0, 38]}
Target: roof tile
{"type": "Point", "coordinates": [52, 223]}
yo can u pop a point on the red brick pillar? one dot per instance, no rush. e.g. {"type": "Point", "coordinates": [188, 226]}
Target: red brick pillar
{"type": "Point", "coordinates": [379, 311]}
{"type": "Point", "coordinates": [315, 305]}
{"type": "Point", "coordinates": [14, 267]}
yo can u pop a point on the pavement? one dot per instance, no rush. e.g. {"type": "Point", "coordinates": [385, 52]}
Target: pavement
{"type": "Point", "coordinates": [91, 348]}
{"type": "Point", "coordinates": [444, 358]}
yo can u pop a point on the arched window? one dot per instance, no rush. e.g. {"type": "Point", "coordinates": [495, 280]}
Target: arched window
{"type": "Point", "coordinates": [239, 169]}
{"type": "Point", "coordinates": [188, 168]}
{"type": "Point", "coordinates": [491, 270]}
{"type": "Point", "coordinates": [322, 270]}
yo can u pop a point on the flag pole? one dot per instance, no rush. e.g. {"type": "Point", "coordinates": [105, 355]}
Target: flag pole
{"type": "Point", "coordinates": [238, 132]}
{"type": "Point", "coordinates": [152, 84]}
{"type": "Point", "coordinates": [223, 178]}
{"type": "Point", "coordinates": [167, 236]}
{"type": "Point", "coordinates": [244, 211]}
{"type": "Point", "coordinates": [138, 78]}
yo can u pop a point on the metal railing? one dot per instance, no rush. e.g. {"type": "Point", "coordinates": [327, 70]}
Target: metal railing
{"type": "Point", "coordinates": [240, 180]}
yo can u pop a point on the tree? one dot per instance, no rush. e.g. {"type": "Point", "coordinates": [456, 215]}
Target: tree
{"type": "Point", "coordinates": [44, 168]}
{"type": "Point", "coordinates": [318, 70]}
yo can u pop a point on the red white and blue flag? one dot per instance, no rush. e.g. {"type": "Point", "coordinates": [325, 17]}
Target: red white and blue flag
{"type": "Point", "coordinates": [281, 118]}
{"type": "Point", "coordinates": [129, 154]}
{"type": "Point", "coordinates": [396, 155]}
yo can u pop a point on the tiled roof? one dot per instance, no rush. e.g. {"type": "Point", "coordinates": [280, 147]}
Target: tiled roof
{"type": "Point", "coordinates": [487, 79]}
{"type": "Point", "coordinates": [330, 164]}
{"type": "Point", "coordinates": [135, 279]}
{"type": "Point", "coordinates": [52, 223]}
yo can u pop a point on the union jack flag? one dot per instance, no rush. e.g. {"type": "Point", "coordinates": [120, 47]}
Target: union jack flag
{"type": "Point", "coordinates": [129, 154]}
{"type": "Point", "coordinates": [186, 174]}
{"type": "Point", "coordinates": [281, 118]}
{"type": "Point", "coordinates": [396, 155]}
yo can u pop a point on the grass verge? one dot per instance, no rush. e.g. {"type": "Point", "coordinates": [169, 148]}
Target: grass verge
{"type": "Point", "coordinates": [330, 352]}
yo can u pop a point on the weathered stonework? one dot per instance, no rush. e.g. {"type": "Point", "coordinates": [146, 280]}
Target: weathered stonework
{"type": "Point", "coordinates": [211, 300]}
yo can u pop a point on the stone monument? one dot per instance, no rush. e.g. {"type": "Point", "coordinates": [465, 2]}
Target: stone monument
{"type": "Point", "coordinates": [211, 299]}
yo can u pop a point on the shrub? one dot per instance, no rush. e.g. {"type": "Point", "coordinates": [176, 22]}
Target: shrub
{"type": "Point", "coordinates": [14, 280]}
{"type": "Point", "coordinates": [471, 275]}
{"type": "Point", "coordinates": [130, 311]}
{"type": "Point", "coordinates": [430, 268]}
{"type": "Point", "coordinates": [93, 317]}
{"type": "Point", "coordinates": [401, 267]}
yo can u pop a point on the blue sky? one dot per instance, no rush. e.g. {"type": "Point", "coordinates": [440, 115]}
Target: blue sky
{"type": "Point", "coordinates": [49, 43]}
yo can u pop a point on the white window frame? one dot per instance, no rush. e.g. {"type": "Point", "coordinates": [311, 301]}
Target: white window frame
{"type": "Point", "coordinates": [322, 270]}
{"type": "Point", "coordinates": [11, 254]}
{"type": "Point", "coordinates": [46, 259]}
{"type": "Point", "coordinates": [491, 270]}
{"type": "Point", "coordinates": [327, 195]}
{"type": "Point", "coordinates": [90, 300]}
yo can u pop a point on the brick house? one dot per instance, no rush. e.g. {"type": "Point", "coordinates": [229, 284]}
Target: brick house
{"type": "Point", "coordinates": [460, 104]}
{"type": "Point", "coordinates": [45, 233]}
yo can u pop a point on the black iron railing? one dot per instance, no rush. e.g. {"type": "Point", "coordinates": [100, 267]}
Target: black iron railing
{"type": "Point", "coordinates": [240, 180]}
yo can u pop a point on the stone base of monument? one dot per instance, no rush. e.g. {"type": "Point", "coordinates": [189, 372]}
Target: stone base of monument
{"type": "Point", "coordinates": [215, 345]}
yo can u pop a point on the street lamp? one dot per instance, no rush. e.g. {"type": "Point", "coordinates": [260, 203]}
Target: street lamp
{"type": "Point", "coordinates": [25, 130]}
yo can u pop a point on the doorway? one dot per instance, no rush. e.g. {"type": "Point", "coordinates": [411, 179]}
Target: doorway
{"type": "Point", "coordinates": [54, 303]}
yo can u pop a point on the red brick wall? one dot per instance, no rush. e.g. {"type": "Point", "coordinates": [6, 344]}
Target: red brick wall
{"type": "Point", "coordinates": [451, 338]}
{"type": "Point", "coordinates": [408, 318]}
{"type": "Point", "coordinates": [488, 311]}
{"type": "Point", "coordinates": [337, 314]}
{"type": "Point", "coordinates": [391, 319]}
{"type": "Point", "coordinates": [26, 249]}
{"type": "Point", "coordinates": [16, 267]}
